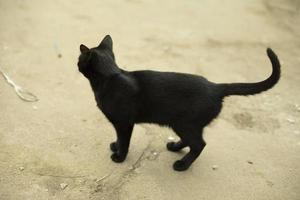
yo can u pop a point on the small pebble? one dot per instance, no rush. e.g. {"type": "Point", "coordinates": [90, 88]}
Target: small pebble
{"type": "Point", "coordinates": [171, 138]}
{"type": "Point", "coordinates": [215, 167]}
{"type": "Point", "coordinates": [297, 107]}
{"type": "Point", "coordinates": [250, 162]}
{"type": "Point", "coordinates": [34, 107]}
{"type": "Point", "coordinates": [63, 186]}
{"type": "Point", "coordinates": [21, 168]}
{"type": "Point", "coordinates": [153, 155]}
{"type": "Point", "coordinates": [290, 120]}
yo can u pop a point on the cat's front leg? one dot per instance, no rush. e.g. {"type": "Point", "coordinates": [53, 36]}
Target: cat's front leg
{"type": "Point", "coordinates": [120, 148]}
{"type": "Point", "coordinates": [175, 146]}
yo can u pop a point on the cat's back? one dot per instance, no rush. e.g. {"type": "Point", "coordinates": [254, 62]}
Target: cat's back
{"type": "Point", "coordinates": [170, 80]}
{"type": "Point", "coordinates": [172, 86]}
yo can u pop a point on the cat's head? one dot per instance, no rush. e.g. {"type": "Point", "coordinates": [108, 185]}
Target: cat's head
{"type": "Point", "coordinates": [97, 60]}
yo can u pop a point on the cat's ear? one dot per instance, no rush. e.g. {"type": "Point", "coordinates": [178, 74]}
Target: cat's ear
{"type": "Point", "coordinates": [106, 43]}
{"type": "Point", "coordinates": [83, 48]}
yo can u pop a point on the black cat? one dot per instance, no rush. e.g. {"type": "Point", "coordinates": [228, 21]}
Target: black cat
{"type": "Point", "coordinates": [184, 102]}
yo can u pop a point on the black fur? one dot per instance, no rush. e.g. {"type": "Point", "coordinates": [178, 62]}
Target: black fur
{"type": "Point", "coordinates": [184, 102]}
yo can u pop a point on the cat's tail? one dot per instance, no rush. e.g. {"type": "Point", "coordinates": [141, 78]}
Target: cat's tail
{"type": "Point", "coordinates": [255, 88]}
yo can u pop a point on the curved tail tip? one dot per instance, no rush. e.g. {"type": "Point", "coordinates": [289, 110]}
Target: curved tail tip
{"type": "Point", "coordinates": [270, 52]}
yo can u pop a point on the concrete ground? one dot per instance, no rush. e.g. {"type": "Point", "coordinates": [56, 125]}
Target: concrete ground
{"type": "Point", "coordinates": [57, 147]}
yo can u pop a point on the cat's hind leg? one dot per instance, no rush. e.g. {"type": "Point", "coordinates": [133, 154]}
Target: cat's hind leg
{"type": "Point", "coordinates": [192, 137]}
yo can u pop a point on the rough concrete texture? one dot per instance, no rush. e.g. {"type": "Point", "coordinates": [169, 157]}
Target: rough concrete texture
{"type": "Point", "coordinates": [57, 148]}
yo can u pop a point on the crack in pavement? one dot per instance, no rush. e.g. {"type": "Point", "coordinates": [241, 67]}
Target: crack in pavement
{"type": "Point", "coordinates": [112, 192]}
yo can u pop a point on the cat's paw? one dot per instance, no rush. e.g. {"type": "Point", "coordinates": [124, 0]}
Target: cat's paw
{"type": "Point", "coordinates": [180, 165]}
{"type": "Point", "coordinates": [117, 158]}
{"type": "Point", "coordinates": [172, 146]}
{"type": "Point", "coordinates": [113, 146]}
